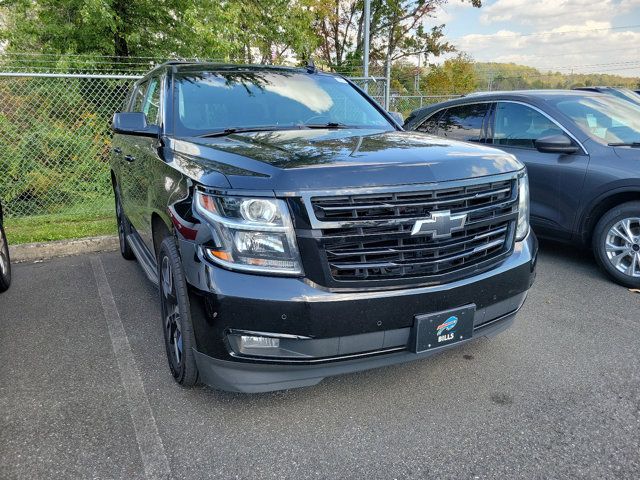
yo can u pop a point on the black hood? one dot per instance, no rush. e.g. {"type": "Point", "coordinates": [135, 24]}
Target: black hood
{"type": "Point", "coordinates": [295, 160]}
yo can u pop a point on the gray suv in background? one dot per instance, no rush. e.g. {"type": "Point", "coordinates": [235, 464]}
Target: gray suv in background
{"type": "Point", "coordinates": [582, 152]}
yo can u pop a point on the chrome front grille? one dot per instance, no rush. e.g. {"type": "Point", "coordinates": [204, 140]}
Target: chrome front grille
{"type": "Point", "coordinates": [368, 237]}
{"type": "Point", "coordinates": [398, 205]}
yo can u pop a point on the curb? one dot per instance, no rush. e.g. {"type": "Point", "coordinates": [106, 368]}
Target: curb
{"type": "Point", "coordinates": [37, 252]}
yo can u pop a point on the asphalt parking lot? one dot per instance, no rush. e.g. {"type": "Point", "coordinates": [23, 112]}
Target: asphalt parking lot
{"type": "Point", "coordinates": [85, 392]}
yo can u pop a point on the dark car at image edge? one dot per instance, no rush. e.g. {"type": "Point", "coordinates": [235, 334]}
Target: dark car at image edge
{"type": "Point", "coordinates": [296, 232]}
{"type": "Point", "coordinates": [582, 152]}
{"type": "Point", "coordinates": [5, 261]}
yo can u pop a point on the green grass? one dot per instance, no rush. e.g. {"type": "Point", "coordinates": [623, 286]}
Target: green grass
{"type": "Point", "coordinates": [46, 228]}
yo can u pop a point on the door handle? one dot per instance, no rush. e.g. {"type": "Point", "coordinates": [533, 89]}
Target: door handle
{"type": "Point", "coordinates": [117, 150]}
{"type": "Point", "coordinates": [129, 158]}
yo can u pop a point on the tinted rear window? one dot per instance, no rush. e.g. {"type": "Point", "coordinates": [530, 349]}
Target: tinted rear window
{"type": "Point", "coordinates": [464, 122]}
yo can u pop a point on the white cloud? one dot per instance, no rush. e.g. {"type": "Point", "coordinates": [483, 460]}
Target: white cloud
{"type": "Point", "coordinates": [448, 11]}
{"type": "Point", "coordinates": [570, 35]}
{"type": "Point", "coordinates": [552, 13]}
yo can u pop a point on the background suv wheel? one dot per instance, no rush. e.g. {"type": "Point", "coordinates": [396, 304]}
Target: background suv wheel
{"type": "Point", "coordinates": [5, 262]}
{"type": "Point", "coordinates": [616, 243]}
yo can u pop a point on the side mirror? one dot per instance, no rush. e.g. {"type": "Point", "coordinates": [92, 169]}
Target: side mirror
{"type": "Point", "coordinates": [398, 117]}
{"type": "Point", "coordinates": [556, 144]}
{"type": "Point", "coordinates": [133, 123]}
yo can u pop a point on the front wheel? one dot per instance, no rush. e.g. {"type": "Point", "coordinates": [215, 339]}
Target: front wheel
{"type": "Point", "coordinates": [179, 339]}
{"type": "Point", "coordinates": [616, 243]}
{"type": "Point", "coordinates": [5, 262]}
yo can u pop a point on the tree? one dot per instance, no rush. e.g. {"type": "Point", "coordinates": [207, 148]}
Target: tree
{"type": "Point", "coordinates": [265, 31]}
{"type": "Point", "coordinates": [398, 29]}
{"type": "Point", "coordinates": [235, 30]}
{"type": "Point", "coordinates": [455, 76]}
{"type": "Point", "coordinates": [114, 28]}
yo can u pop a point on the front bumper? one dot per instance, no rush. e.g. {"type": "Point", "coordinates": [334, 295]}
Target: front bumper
{"type": "Point", "coordinates": [353, 330]}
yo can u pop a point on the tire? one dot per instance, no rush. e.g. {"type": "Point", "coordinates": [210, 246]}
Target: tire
{"type": "Point", "coordinates": [124, 228]}
{"type": "Point", "coordinates": [177, 326]}
{"type": "Point", "coordinates": [616, 244]}
{"type": "Point", "coordinates": [5, 262]}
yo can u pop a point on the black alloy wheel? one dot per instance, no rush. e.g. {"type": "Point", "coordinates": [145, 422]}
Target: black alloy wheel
{"type": "Point", "coordinates": [176, 315]}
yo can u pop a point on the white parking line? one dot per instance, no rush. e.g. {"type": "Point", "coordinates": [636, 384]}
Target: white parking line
{"type": "Point", "coordinates": [154, 459]}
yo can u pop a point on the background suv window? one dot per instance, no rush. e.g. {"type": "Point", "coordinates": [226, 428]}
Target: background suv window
{"type": "Point", "coordinates": [518, 125]}
{"type": "Point", "coordinates": [604, 117]}
{"type": "Point", "coordinates": [464, 122]}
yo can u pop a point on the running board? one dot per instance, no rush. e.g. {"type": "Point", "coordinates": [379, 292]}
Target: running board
{"type": "Point", "coordinates": [145, 260]}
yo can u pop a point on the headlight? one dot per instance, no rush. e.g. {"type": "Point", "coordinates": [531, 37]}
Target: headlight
{"type": "Point", "coordinates": [523, 207]}
{"type": "Point", "coordinates": [251, 234]}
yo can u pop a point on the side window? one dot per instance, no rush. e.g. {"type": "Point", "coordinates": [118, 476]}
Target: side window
{"type": "Point", "coordinates": [138, 97]}
{"type": "Point", "coordinates": [430, 125]}
{"type": "Point", "coordinates": [518, 125]}
{"type": "Point", "coordinates": [151, 107]}
{"type": "Point", "coordinates": [464, 122]}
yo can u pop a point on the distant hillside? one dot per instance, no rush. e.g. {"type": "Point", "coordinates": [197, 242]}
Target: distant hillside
{"type": "Point", "coordinates": [509, 76]}
{"type": "Point", "coordinates": [462, 75]}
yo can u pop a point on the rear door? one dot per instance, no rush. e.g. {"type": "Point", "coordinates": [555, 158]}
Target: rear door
{"type": "Point", "coordinates": [461, 122]}
{"type": "Point", "coordinates": [556, 180]}
{"type": "Point", "coordinates": [123, 148]}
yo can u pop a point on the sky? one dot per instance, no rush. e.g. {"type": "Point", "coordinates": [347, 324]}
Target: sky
{"type": "Point", "coordinates": [583, 36]}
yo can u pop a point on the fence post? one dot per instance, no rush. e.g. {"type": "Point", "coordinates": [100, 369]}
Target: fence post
{"type": "Point", "coordinates": [387, 84]}
{"type": "Point", "coordinates": [367, 22]}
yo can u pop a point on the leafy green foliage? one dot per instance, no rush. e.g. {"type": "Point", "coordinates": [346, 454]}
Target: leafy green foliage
{"type": "Point", "coordinates": [455, 76]}
{"type": "Point", "coordinates": [233, 30]}
{"type": "Point", "coordinates": [118, 27]}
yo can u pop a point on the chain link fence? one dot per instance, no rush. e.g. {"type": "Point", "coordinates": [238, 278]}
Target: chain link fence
{"type": "Point", "coordinates": [54, 142]}
{"type": "Point", "coordinates": [374, 86]}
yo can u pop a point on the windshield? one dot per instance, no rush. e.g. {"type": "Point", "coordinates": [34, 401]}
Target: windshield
{"type": "Point", "coordinates": [626, 94]}
{"type": "Point", "coordinates": [207, 102]}
{"type": "Point", "coordinates": [604, 117]}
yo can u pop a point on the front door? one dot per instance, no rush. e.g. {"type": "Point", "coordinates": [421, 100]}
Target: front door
{"type": "Point", "coordinates": [142, 157]}
{"type": "Point", "coordinates": [555, 180]}
{"type": "Point", "coordinates": [125, 150]}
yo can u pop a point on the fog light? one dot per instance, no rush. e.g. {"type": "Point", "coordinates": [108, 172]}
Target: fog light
{"type": "Point", "coordinates": [258, 342]}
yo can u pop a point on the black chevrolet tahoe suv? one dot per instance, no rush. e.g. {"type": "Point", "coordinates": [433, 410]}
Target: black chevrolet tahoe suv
{"type": "Point", "coordinates": [295, 231]}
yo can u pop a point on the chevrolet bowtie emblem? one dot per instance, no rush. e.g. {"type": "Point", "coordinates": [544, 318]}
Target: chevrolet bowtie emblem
{"type": "Point", "coordinates": [440, 224]}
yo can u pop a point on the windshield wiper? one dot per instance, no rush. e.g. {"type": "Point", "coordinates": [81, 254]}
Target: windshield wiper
{"type": "Point", "coordinates": [232, 130]}
{"type": "Point", "coordinates": [336, 125]}
{"type": "Point", "coordinates": [625, 144]}
{"type": "Point", "coordinates": [273, 128]}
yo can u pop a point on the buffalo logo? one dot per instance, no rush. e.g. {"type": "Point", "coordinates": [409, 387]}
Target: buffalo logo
{"type": "Point", "coordinates": [448, 325]}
